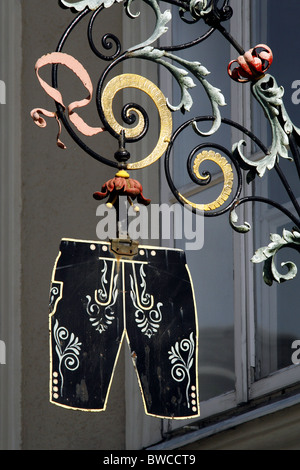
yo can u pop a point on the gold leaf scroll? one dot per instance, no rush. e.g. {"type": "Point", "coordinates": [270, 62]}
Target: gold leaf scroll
{"type": "Point", "coordinates": [129, 80]}
{"type": "Point", "coordinates": [228, 180]}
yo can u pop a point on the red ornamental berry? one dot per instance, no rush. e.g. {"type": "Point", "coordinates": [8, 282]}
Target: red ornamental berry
{"type": "Point", "coordinates": [252, 65]}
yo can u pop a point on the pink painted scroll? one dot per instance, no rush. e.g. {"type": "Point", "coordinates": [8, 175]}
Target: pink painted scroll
{"type": "Point", "coordinates": [82, 74]}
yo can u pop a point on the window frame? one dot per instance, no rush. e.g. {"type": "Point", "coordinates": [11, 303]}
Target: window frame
{"type": "Point", "coordinates": [241, 114]}
{"type": "Point", "coordinates": [287, 376]}
{"type": "Point", "coordinates": [247, 388]}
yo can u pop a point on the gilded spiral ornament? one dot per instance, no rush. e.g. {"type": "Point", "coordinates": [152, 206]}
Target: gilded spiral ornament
{"type": "Point", "coordinates": [129, 80]}
{"type": "Point", "coordinates": [227, 185]}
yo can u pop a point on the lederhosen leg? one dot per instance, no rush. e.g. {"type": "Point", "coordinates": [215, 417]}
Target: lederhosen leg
{"type": "Point", "coordinates": [86, 324]}
{"type": "Point", "coordinates": [162, 331]}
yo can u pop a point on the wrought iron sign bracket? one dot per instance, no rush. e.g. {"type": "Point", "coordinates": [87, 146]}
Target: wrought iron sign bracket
{"type": "Point", "coordinates": [251, 66]}
{"type": "Point", "coordinates": [119, 262]}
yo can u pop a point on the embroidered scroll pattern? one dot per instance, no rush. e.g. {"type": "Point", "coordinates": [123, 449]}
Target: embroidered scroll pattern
{"type": "Point", "coordinates": [149, 323]}
{"type": "Point", "coordinates": [55, 295]}
{"type": "Point", "coordinates": [68, 356]}
{"type": "Point", "coordinates": [181, 367]}
{"type": "Point", "coordinates": [101, 319]}
{"type": "Point", "coordinates": [102, 293]}
{"type": "Point", "coordinates": [145, 297]}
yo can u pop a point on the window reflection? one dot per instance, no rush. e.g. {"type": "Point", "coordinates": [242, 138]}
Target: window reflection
{"type": "Point", "coordinates": [212, 273]}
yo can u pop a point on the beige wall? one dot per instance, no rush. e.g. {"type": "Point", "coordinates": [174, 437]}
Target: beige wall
{"type": "Point", "coordinates": [278, 431]}
{"type": "Point", "coordinates": [57, 188]}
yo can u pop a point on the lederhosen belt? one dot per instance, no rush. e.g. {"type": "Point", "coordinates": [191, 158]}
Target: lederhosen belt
{"type": "Point", "coordinates": [97, 297]}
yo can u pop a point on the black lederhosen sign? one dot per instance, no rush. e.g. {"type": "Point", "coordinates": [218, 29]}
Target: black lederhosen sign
{"type": "Point", "coordinates": [97, 298]}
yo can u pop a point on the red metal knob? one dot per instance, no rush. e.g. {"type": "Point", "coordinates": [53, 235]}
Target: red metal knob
{"type": "Point", "coordinates": [252, 65]}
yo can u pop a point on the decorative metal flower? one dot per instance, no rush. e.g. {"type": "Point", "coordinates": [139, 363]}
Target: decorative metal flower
{"type": "Point", "coordinates": [122, 185]}
{"type": "Point", "coordinates": [252, 65]}
{"type": "Point", "coordinates": [80, 5]}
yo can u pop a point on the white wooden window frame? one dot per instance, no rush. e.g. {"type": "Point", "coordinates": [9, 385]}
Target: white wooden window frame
{"type": "Point", "coordinates": [289, 375]}
{"type": "Point", "coordinates": [240, 114]}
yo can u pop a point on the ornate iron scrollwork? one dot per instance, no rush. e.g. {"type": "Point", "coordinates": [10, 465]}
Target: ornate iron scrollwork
{"type": "Point", "coordinates": [249, 66]}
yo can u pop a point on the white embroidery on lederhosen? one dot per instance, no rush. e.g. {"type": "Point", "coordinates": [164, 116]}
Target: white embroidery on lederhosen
{"type": "Point", "coordinates": [55, 295]}
{"type": "Point", "coordinates": [102, 293]}
{"type": "Point", "coordinates": [148, 322]}
{"type": "Point", "coordinates": [181, 367]}
{"type": "Point", "coordinates": [68, 355]}
{"type": "Point", "coordinates": [101, 312]}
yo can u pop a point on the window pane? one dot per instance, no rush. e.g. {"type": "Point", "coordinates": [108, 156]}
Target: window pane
{"type": "Point", "coordinates": [277, 307]}
{"type": "Point", "coordinates": [277, 316]}
{"type": "Point", "coordinates": [212, 275]}
{"type": "Point", "coordinates": [214, 55]}
{"type": "Point", "coordinates": [212, 278]}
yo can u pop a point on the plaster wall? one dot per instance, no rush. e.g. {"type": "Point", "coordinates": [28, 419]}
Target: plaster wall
{"type": "Point", "coordinates": [277, 431]}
